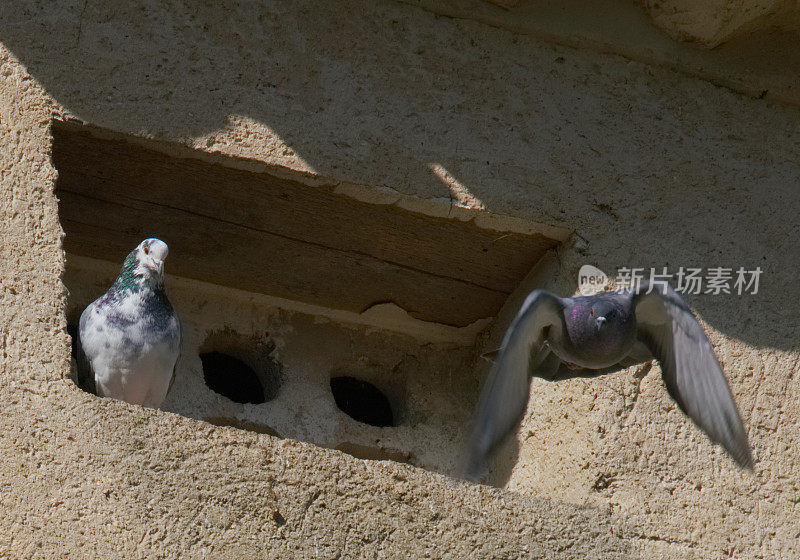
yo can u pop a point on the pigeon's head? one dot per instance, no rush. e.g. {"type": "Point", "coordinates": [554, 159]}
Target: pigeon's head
{"type": "Point", "coordinates": [601, 312]}
{"type": "Point", "coordinates": [150, 256]}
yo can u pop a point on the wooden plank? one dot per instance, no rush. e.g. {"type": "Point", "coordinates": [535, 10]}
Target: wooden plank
{"type": "Point", "coordinates": [232, 255]}
{"type": "Point", "coordinates": [269, 234]}
{"type": "Point", "coordinates": [315, 215]}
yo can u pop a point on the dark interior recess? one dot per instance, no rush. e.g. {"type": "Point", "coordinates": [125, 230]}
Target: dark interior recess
{"type": "Point", "coordinates": [274, 233]}
{"type": "Point", "coordinates": [362, 401]}
{"type": "Point", "coordinates": [82, 378]}
{"type": "Point", "coordinates": [72, 331]}
{"type": "Point", "coordinates": [232, 378]}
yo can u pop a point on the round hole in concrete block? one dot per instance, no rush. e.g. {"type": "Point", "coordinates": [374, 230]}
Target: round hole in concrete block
{"type": "Point", "coordinates": [232, 378]}
{"type": "Point", "coordinates": [240, 367]}
{"type": "Point", "coordinates": [362, 401]}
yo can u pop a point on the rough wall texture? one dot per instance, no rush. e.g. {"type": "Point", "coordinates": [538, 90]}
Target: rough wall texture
{"type": "Point", "coordinates": [711, 23]}
{"type": "Point", "coordinates": [648, 166]}
{"type": "Point", "coordinates": [88, 477]}
{"type": "Point", "coordinates": [717, 41]}
{"type": "Point", "coordinates": [705, 23]}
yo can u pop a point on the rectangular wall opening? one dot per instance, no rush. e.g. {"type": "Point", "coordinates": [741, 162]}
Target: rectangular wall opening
{"type": "Point", "coordinates": [279, 235]}
{"type": "Point", "coordinates": [284, 273]}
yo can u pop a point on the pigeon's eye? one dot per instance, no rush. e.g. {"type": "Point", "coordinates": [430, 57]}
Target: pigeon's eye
{"type": "Point", "coordinates": [147, 250]}
{"type": "Point", "coordinates": [591, 312]}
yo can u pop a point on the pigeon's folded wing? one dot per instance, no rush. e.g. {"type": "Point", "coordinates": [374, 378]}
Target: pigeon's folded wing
{"type": "Point", "coordinates": [505, 393]}
{"type": "Point", "coordinates": [177, 330]}
{"type": "Point", "coordinates": [84, 372]}
{"type": "Point", "coordinates": [689, 368]}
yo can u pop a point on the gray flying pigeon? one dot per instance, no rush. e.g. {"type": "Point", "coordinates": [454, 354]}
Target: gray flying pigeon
{"type": "Point", "coordinates": [559, 338]}
{"type": "Point", "coordinates": [129, 338]}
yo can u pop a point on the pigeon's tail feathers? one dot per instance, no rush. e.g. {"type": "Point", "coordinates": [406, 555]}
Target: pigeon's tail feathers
{"type": "Point", "coordinates": [691, 372]}
{"type": "Point", "coordinates": [505, 392]}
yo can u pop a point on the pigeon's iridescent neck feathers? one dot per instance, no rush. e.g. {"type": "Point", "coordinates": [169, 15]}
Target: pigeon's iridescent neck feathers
{"type": "Point", "coordinates": [143, 270]}
{"type": "Point", "coordinates": [133, 272]}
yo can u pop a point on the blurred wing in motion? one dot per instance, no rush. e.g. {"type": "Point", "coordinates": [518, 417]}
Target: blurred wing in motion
{"type": "Point", "coordinates": [690, 369]}
{"type": "Point", "coordinates": [505, 393]}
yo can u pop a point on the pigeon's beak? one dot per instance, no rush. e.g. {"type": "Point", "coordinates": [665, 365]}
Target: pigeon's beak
{"type": "Point", "coordinates": [156, 266]}
{"type": "Point", "coordinates": [601, 321]}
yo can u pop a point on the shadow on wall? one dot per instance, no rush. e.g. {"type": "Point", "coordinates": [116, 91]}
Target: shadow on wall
{"type": "Point", "coordinates": [532, 130]}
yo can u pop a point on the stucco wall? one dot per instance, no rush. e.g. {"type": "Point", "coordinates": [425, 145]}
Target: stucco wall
{"type": "Point", "coordinates": [648, 166]}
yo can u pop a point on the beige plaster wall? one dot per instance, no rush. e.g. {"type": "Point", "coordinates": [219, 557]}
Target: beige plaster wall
{"type": "Point", "coordinates": [751, 47]}
{"type": "Point", "coordinates": [94, 478]}
{"type": "Point", "coordinates": [649, 166]}
{"type": "Point", "coordinates": [711, 23]}
{"type": "Point", "coordinates": [705, 23]}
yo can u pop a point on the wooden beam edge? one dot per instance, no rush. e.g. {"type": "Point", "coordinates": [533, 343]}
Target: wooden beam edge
{"type": "Point", "coordinates": [384, 316]}
{"type": "Point", "coordinates": [379, 195]}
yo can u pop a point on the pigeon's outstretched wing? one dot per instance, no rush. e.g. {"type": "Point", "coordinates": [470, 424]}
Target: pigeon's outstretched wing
{"type": "Point", "coordinates": [505, 393]}
{"type": "Point", "coordinates": [689, 367]}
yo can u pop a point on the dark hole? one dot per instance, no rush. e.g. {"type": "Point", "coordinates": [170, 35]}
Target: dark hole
{"type": "Point", "coordinates": [72, 330]}
{"type": "Point", "coordinates": [232, 378]}
{"type": "Point", "coordinates": [362, 401]}
{"type": "Point", "coordinates": [81, 374]}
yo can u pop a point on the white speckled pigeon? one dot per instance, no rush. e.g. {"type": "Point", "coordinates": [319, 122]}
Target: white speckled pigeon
{"type": "Point", "coordinates": [129, 338]}
{"type": "Point", "coordinates": [598, 334]}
